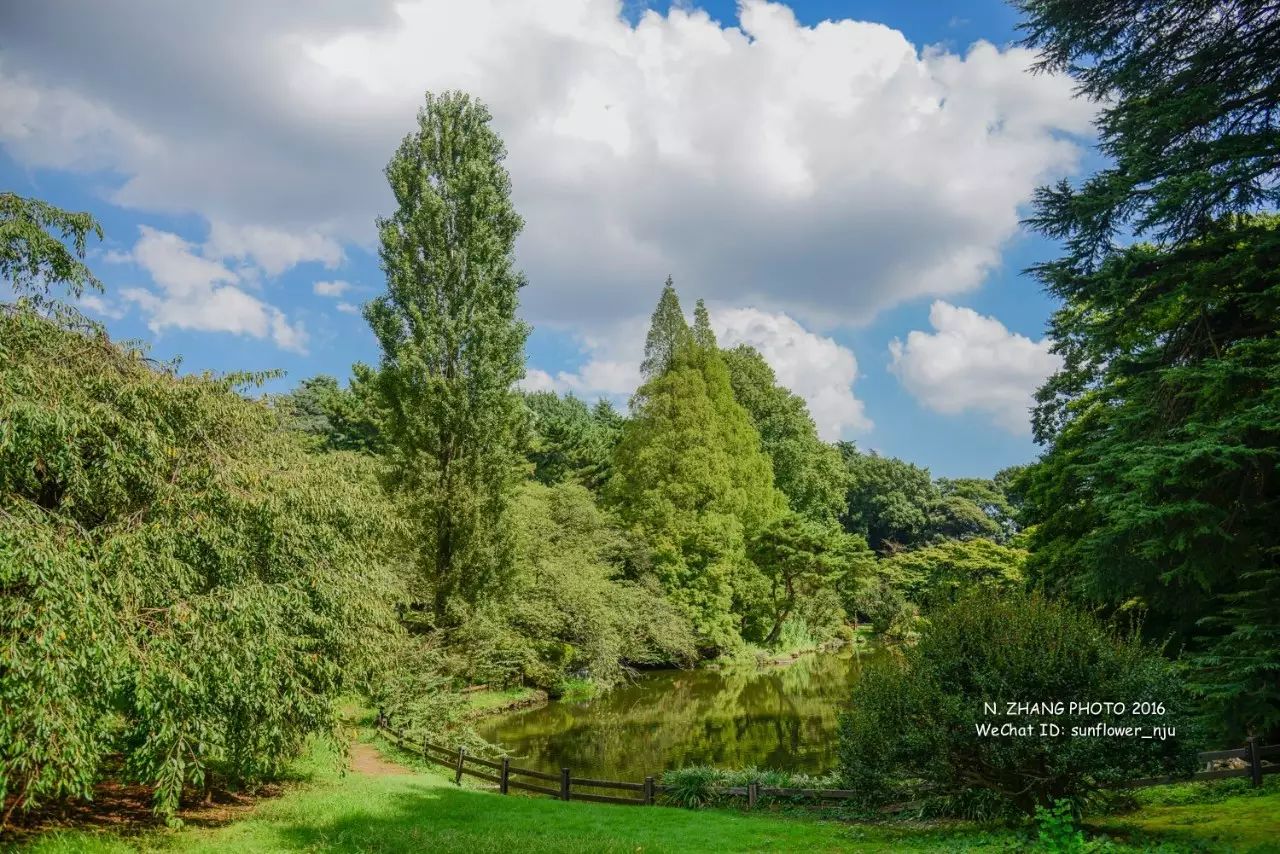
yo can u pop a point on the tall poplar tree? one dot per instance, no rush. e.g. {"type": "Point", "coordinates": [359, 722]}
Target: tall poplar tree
{"type": "Point", "coordinates": [452, 348]}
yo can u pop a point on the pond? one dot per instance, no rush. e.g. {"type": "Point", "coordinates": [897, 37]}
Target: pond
{"type": "Point", "coordinates": [780, 717]}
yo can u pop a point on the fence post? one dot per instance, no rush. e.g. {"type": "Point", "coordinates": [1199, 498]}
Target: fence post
{"type": "Point", "coordinates": [457, 777]}
{"type": "Point", "coordinates": [564, 784]}
{"type": "Point", "coordinates": [1255, 761]}
{"type": "Point", "coordinates": [506, 774]}
{"type": "Point", "coordinates": [753, 794]}
{"type": "Point", "coordinates": [648, 791]}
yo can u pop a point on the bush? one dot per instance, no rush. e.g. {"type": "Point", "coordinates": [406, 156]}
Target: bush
{"type": "Point", "coordinates": [184, 590]}
{"type": "Point", "coordinates": [568, 614]}
{"type": "Point", "coordinates": [911, 733]}
{"type": "Point", "coordinates": [702, 785]}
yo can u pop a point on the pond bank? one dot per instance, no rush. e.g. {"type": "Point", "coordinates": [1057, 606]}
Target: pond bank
{"type": "Point", "coordinates": [782, 716]}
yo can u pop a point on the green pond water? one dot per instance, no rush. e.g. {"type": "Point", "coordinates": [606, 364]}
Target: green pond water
{"type": "Point", "coordinates": [781, 717]}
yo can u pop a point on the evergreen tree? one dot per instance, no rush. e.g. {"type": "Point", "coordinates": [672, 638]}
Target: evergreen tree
{"type": "Point", "coordinates": [690, 477]}
{"type": "Point", "coordinates": [452, 347]}
{"type": "Point", "coordinates": [570, 441]}
{"type": "Point", "coordinates": [702, 334]}
{"type": "Point", "coordinates": [807, 470]}
{"type": "Point", "coordinates": [1161, 483]}
{"type": "Point", "coordinates": [668, 330]}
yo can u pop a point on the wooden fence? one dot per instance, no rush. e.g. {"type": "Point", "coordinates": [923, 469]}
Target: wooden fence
{"type": "Point", "coordinates": [461, 762]}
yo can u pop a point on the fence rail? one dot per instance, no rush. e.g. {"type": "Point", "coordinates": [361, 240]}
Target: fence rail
{"type": "Point", "coordinates": [457, 759]}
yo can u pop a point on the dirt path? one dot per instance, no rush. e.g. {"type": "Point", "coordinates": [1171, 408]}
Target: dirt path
{"type": "Point", "coordinates": [365, 759]}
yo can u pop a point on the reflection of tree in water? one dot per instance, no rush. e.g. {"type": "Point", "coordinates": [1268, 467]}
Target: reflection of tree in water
{"type": "Point", "coordinates": [781, 717]}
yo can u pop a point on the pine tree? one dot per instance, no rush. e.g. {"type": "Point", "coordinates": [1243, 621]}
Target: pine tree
{"type": "Point", "coordinates": [452, 347]}
{"type": "Point", "coordinates": [667, 331]}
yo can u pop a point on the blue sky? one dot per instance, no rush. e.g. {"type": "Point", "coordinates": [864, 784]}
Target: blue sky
{"type": "Point", "coordinates": [649, 141]}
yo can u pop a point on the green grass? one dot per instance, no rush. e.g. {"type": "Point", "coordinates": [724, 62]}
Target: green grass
{"type": "Point", "coordinates": [426, 812]}
{"type": "Point", "coordinates": [576, 690]}
{"type": "Point", "coordinates": [423, 811]}
{"type": "Point", "coordinates": [1227, 815]}
{"type": "Point", "coordinates": [484, 702]}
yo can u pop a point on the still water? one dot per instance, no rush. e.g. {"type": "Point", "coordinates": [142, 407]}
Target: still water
{"type": "Point", "coordinates": [778, 717]}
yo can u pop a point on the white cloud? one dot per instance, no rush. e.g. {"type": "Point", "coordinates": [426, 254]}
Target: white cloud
{"type": "Point", "coordinates": [826, 172]}
{"type": "Point", "coordinates": [194, 292]}
{"type": "Point", "coordinates": [271, 249]}
{"type": "Point", "coordinates": [334, 288]}
{"type": "Point", "coordinates": [100, 306]}
{"type": "Point", "coordinates": [813, 366]}
{"type": "Point", "coordinates": [973, 363]}
{"type": "Point", "coordinates": [348, 308]}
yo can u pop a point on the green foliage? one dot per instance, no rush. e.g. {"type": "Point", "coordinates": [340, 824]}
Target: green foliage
{"type": "Point", "coordinates": [33, 258]}
{"type": "Point", "coordinates": [798, 559]}
{"type": "Point", "coordinates": [807, 470]}
{"type": "Point", "coordinates": [697, 786]}
{"type": "Point", "coordinates": [881, 600]}
{"type": "Point", "coordinates": [1056, 830]}
{"type": "Point", "coordinates": [570, 441]}
{"type": "Point", "coordinates": [668, 333]}
{"type": "Point", "coordinates": [691, 481]}
{"type": "Point", "coordinates": [569, 613]}
{"type": "Point", "coordinates": [1189, 122]}
{"type": "Point", "coordinates": [974, 507]}
{"type": "Point", "coordinates": [888, 501]}
{"type": "Point", "coordinates": [185, 589]}
{"type": "Point", "coordinates": [1159, 488]}
{"type": "Point", "coordinates": [943, 573]}
{"type": "Point", "coordinates": [911, 731]}
{"type": "Point", "coordinates": [452, 349]}
{"type": "Point", "coordinates": [339, 419]}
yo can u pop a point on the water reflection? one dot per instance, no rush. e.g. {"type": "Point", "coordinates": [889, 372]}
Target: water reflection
{"type": "Point", "coordinates": [781, 717]}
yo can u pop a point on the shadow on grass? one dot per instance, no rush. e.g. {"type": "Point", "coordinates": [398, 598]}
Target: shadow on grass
{"type": "Point", "coordinates": [445, 819]}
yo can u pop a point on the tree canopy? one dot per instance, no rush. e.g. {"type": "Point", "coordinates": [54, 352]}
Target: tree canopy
{"type": "Point", "coordinates": [452, 348]}
{"type": "Point", "coordinates": [1158, 490]}
{"type": "Point", "coordinates": [806, 469]}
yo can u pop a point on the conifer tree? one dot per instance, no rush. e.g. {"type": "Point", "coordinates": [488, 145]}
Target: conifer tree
{"type": "Point", "coordinates": [667, 331]}
{"type": "Point", "coordinates": [452, 347]}
{"type": "Point", "coordinates": [690, 478]}
{"type": "Point", "coordinates": [702, 334]}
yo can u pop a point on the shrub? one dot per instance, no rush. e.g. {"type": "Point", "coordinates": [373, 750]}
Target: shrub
{"type": "Point", "coordinates": [912, 730]}
{"type": "Point", "coordinates": [184, 590]}
{"type": "Point", "coordinates": [702, 785]}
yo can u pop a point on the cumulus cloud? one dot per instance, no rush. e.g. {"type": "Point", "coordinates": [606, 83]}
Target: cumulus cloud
{"type": "Point", "coordinates": [199, 293]}
{"type": "Point", "coordinates": [348, 308]}
{"type": "Point", "coordinates": [100, 306]}
{"type": "Point", "coordinates": [824, 171]}
{"type": "Point", "coordinates": [335, 288]}
{"type": "Point", "coordinates": [971, 362]}
{"type": "Point", "coordinates": [813, 366]}
{"type": "Point", "coordinates": [271, 249]}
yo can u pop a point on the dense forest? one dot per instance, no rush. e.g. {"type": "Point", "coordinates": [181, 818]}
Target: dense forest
{"type": "Point", "coordinates": [194, 573]}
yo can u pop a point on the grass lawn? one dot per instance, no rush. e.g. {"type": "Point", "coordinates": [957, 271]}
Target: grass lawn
{"type": "Point", "coordinates": [388, 809]}
{"type": "Point", "coordinates": [494, 700]}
